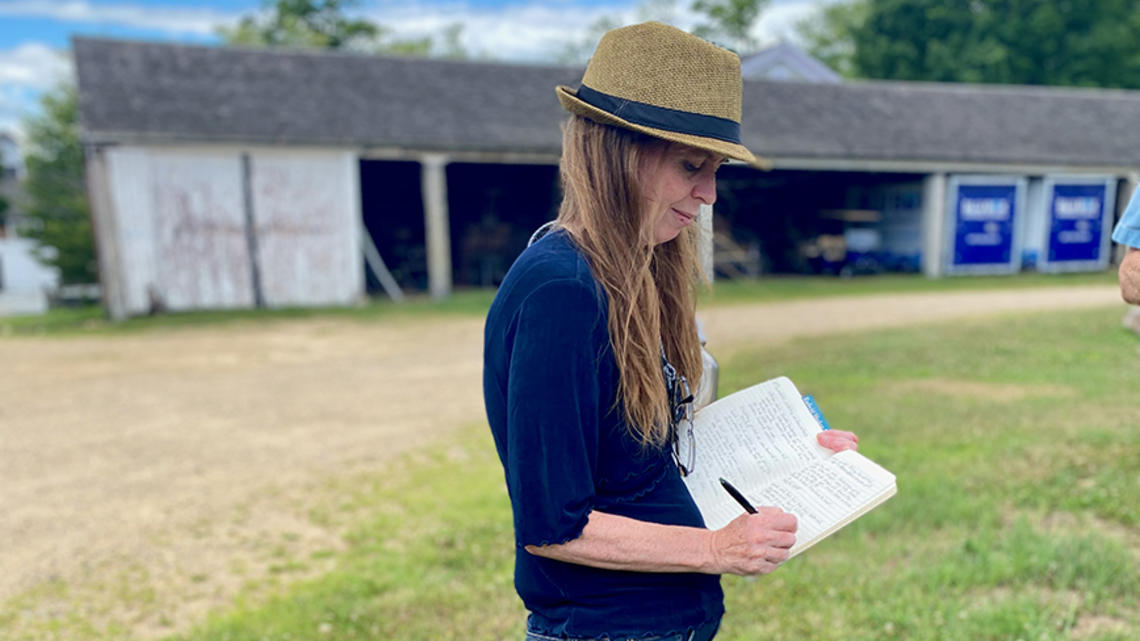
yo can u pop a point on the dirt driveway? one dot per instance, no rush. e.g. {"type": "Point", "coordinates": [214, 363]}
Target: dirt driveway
{"type": "Point", "coordinates": [147, 478]}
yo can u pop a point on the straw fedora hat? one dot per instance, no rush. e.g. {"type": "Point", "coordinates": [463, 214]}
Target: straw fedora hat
{"type": "Point", "coordinates": [661, 81]}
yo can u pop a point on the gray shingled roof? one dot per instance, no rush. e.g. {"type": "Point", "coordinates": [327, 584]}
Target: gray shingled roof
{"type": "Point", "coordinates": [131, 91]}
{"type": "Point", "coordinates": [139, 90]}
{"type": "Point", "coordinates": [944, 122]}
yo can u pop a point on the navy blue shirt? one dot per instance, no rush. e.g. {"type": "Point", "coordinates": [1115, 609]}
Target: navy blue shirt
{"type": "Point", "coordinates": [550, 383]}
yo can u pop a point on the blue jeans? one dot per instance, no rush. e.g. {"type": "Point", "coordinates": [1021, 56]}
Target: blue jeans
{"type": "Point", "coordinates": [703, 632]}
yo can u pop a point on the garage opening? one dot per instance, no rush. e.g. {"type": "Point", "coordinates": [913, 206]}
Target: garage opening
{"type": "Point", "coordinates": [493, 209]}
{"type": "Point", "coordinates": [816, 222]}
{"type": "Point", "coordinates": [393, 211]}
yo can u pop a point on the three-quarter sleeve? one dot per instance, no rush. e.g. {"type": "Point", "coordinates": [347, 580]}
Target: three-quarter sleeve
{"type": "Point", "coordinates": [1127, 231]}
{"type": "Point", "coordinates": [553, 398]}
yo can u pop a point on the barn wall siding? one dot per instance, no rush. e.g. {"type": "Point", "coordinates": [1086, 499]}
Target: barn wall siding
{"type": "Point", "coordinates": [308, 228]}
{"type": "Point", "coordinates": [179, 227]}
{"type": "Point", "coordinates": [199, 231]}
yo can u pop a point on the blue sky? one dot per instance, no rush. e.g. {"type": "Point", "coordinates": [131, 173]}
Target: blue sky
{"type": "Point", "coordinates": [34, 34]}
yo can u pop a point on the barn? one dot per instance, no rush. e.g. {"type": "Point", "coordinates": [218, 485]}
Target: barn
{"type": "Point", "coordinates": [230, 177]}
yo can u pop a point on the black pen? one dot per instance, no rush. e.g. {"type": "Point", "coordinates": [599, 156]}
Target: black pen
{"type": "Point", "coordinates": [738, 496]}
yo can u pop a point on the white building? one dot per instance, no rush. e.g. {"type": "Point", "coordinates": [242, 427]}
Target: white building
{"type": "Point", "coordinates": [24, 281]}
{"type": "Point", "coordinates": [229, 177]}
{"type": "Point", "coordinates": [11, 159]}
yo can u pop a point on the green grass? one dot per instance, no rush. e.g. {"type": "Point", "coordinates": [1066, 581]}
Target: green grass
{"type": "Point", "coordinates": [797, 287]}
{"type": "Point", "coordinates": [91, 320]}
{"type": "Point", "coordinates": [1016, 443]}
{"type": "Point", "coordinates": [474, 302]}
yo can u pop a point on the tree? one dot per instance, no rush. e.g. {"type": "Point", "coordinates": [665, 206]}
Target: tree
{"type": "Point", "coordinates": [56, 192]}
{"type": "Point", "coordinates": [1039, 42]}
{"type": "Point", "coordinates": [579, 52]}
{"type": "Point", "coordinates": [827, 37]}
{"type": "Point", "coordinates": [451, 42]}
{"type": "Point", "coordinates": [322, 24]}
{"type": "Point", "coordinates": [729, 22]}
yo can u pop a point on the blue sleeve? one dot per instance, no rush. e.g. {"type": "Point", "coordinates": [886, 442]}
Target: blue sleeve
{"type": "Point", "coordinates": [1127, 231]}
{"type": "Point", "coordinates": [553, 396]}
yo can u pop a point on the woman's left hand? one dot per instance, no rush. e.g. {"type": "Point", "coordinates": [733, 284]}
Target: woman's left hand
{"type": "Point", "coordinates": [838, 440]}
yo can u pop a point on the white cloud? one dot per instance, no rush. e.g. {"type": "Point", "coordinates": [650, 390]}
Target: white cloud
{"type": "Point", "coordinates": [515, 32]}
{"type": "Point", "coordinates": [779, 21]}
{"type": "Point", "coordinates": [34, 66]}
{"type": "Point", "coordinates": [542, 31]}
{"type": "Point", "coordinates": [199, 21]}
{"type": "Point", "coordinates": [29, 69]}
{"type": "Point", "coordinates": [25, 72]}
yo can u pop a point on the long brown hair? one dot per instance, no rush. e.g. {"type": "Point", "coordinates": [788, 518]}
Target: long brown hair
{"type": "Point", "coordinates": [651, 288]}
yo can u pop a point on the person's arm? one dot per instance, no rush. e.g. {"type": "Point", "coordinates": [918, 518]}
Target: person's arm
{"type": "Point", "coordinates": [1130, 276]}
{"type": "Point", "coordinates": [750, 544]}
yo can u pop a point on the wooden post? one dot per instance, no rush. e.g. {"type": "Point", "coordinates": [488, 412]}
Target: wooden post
{"type": "Point", "coordinates": [1132, 183]}
{"type": "Point", "coordinates": [1123, 197]}
{"type": "Point", "coordinates": [103, 228]}
{"type": "Point", "coordinates": [375, 262]}
{"type": "Point", "coordinates": [251, 230]}
{"type": "Point", "coordinates": [705, 242]}
{"type": "Point", "coordinates": [436, 224]}
{"type": "Point", "coordinates": [933, 224]}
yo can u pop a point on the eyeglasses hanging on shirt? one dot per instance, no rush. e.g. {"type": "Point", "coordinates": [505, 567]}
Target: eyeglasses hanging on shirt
{"type": "Point", "coordinates": [680, 416]}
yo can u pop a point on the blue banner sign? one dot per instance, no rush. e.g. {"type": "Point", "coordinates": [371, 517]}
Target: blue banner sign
{"type": "Point", "coordinates": [985, 217]}
{"type": "Point", "coordinates": [1077, 224]}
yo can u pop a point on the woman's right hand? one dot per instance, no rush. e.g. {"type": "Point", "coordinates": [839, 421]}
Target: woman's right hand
{"type": "Point", "coordinates": [754, 543]}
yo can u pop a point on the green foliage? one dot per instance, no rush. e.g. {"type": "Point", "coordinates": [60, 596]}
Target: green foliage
{"type": "Point", "coordinates": [451, 44]}
{"type": "Point", "coordinates": [323, 24]}
{"type": "Point", "coordinates": [725, 22]}
{"type": "Point", "coordinates": [1080, 43]}
{"type": "Point", "coordinates": [729, 22]}
{"type": "Point", "coordinates": [318, 24]}
{"type": "Point", "coordinates": [475, 302]}
{"type": "Point", "coordinates": [56, 191]}
{"type": "Point", "coordinates": [829, 35]}
{"type": "Point", "coordinates": [92, 319]}
{"type": "Point", "coordinates": [785, 287]}
{"type": "Point", "coordinates": [578, 52]}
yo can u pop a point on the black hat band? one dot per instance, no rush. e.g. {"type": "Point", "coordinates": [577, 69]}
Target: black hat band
{"type": "Point", "coordinates": [675, 120]}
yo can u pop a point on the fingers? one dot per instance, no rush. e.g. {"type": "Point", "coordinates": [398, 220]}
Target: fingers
{"type": "Point", "coordinates": [774, 518]}
{"type": "Point", "coordinates": [838, 440]}
{"type": "Point", "coordinates": [756, 543]}
{"type": "Point", "coordinates": [776, 556]}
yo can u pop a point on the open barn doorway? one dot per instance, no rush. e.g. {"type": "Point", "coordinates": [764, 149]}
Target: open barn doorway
{"type": "Point", "coordinates": [393, 211]}
{"type": "Point", "coordinates": [493, 209]}
{"type": "Point", "coordinates": [816, 222]}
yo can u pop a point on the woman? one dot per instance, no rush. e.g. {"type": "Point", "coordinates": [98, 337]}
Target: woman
{"type": "Point", "coordinates": [590, 343]}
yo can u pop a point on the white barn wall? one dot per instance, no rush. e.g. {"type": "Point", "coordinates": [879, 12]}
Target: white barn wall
{"type": "Point", "coordinates": [306, 212]}
{"type": "Point", "coordinates": [130, 200]}
{"type": "Point", "coordinates": [199, 230]}
{"type": "Point", "coordinates": [177, 219]}
{"type": "Point", "coordinates": [178, 229]}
